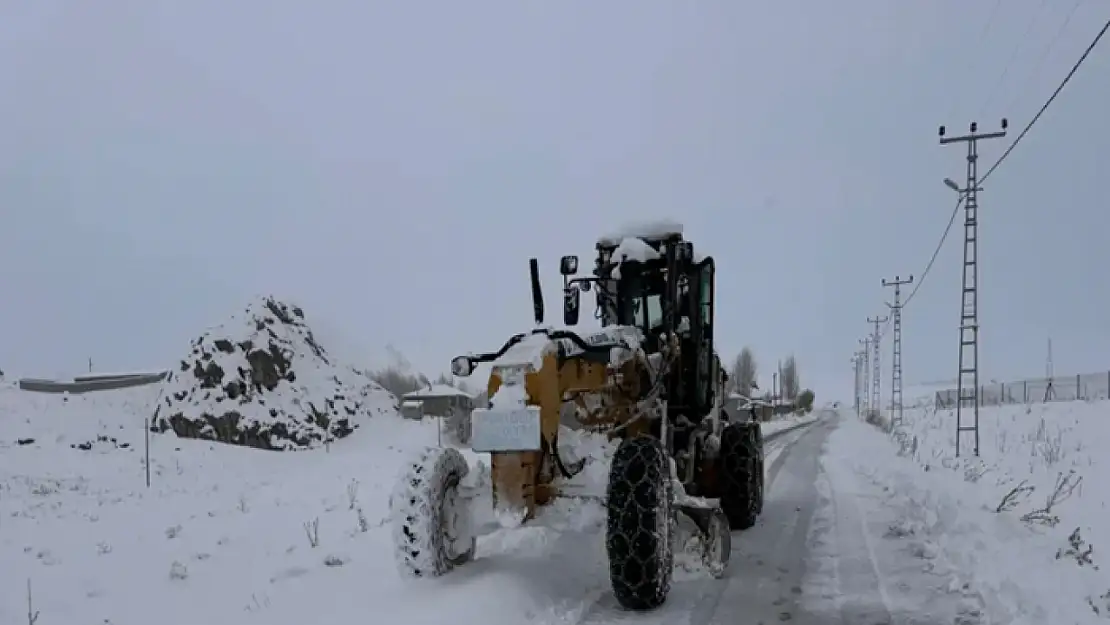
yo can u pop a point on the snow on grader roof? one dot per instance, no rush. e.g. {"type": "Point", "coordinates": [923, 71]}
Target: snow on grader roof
{"type": "Point", "coordinates": [669, 458]}
{"type": "Point", "coordinates": [649, 230]}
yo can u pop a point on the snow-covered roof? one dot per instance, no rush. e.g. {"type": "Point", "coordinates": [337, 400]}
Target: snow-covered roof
{"type": "Point", "coordinates": [654, 230]}
{"type": "Point", "coordinates": [127, 374]}
{"type": "Point", "coordinates": [412, 404]}
{"type": "Point", "coordinates": [633, 248]}
{"type": "Point", "coordinates": [436, 390]}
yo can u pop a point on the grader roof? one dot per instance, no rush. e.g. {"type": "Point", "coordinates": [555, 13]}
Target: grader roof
{"type": "Point", "coordinates": [652, 233]}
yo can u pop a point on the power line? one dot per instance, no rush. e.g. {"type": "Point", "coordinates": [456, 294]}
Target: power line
{"type": "Point", "coordinates": [1035, 73]}
{"type": "Point", "coordinates": [956, 209]}
{"type": "Point", "coordinates": [1013, 56]}
{"type": "Point", "coordinates": [936, 252]}
{"type": "Point", "coordinates": [1048, 102]}
{"type": "Point", "coordinates": [981, 39]}
{"type": "Point", "coordinates": [991, 170]}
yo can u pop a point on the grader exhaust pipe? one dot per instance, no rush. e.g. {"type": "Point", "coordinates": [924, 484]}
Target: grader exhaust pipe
{"type": "Point", "coordinates": [537, 290]}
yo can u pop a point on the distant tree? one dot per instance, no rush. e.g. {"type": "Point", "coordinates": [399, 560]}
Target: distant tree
{"type": "Point", "coordinates": [805, 401]}
{"type": "Point", "coordinates": [398, 377]}
{"type": "Point", "coordinates": [743, 373]}
{"type": "Point", "coordinates": [788, 379]}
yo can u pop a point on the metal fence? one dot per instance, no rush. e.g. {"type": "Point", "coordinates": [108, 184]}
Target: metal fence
{"type": "Point", "coordinates": [1035, 390]}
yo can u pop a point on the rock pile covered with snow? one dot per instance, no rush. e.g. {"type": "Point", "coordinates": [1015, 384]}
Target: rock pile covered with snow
{"type": "Point", "coordinates": [262, 380]}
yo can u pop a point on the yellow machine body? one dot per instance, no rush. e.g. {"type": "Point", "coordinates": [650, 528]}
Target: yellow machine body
{"type": "Point", "coordinates": [601, 396]}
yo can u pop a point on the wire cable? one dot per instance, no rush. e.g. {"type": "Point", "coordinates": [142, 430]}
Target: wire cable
{"type": "Point", "coordinates": [1013, 57]}
{"type": "Point", "coordinates": [1051, 99]}
{"type": "Point", "coordinates": [1035, 73]}
{"type": "Point", "coordinates": [1001, 159]}
{"type": "Point", "coordinates": [981, 39]}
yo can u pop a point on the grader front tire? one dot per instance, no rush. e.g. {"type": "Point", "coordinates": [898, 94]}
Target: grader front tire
{"type": "Point", "coordinates": [640, 529]}
{"type": "Point", "coordinates": [431, 533]}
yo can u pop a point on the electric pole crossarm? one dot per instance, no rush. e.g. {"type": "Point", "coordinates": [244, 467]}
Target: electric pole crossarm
{"type": "Point", "coordinates": [973, 136]}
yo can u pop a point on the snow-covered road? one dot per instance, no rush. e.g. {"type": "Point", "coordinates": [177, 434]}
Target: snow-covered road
{"type": "Point", "coordinates": [823, 552]}
{"type": "Point", "coordinates": [766, 559]}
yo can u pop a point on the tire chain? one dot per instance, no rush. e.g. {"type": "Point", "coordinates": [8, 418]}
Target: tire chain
{"type": "Point", "coordinates": [640, 536]}
{"type": "Point", "coordinates": [740, 463]}
{"type": "Point", "coordinates": [419, 544]}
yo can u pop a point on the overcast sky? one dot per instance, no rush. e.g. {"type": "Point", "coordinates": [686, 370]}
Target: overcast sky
{"type": "Point", "coordinates": [392, 165]}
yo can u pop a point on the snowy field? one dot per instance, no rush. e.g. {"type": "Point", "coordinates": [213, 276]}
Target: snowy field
{"type": "Point", "coordinates": [236, 535]}
{"type": "Point", "coordinates": [1013, 528]}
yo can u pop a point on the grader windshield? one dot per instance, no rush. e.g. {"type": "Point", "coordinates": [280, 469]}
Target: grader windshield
{"type": "Point", "coordinates": [640, 300]}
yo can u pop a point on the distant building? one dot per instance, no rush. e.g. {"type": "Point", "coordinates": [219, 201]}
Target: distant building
{"type": "Point", "coordinates": [448, 403]}
{"type": "Point", "coordinates": [440, 400]}
{"type": "Point", "coordinates": [738, 407]}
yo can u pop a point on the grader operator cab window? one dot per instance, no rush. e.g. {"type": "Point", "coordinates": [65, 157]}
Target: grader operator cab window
{"type": "Point", "coordinates": [647, 312]}
{"type": "Point", "coordinates": [706, 291]}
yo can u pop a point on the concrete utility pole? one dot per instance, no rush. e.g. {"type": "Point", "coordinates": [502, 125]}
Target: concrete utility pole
{"type": "Point", "coordinates": [866, 342]}
{"type": "Point", "coordinates": [876, 372]}
{"type": "Point", "coordinates": [896, 359]}
{"type": "Point", "coordinates": [967, 386]}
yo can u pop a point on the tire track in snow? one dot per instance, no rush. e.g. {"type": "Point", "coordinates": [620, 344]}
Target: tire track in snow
{"type": "Point", "coordinates": [694, 602]}
{"type": "Point", "coordinates": [858, 573]}
{"type": "Point", "coordinates": [766, 579]}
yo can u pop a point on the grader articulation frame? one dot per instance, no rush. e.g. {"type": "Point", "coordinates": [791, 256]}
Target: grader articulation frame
{"type": "Point", "coordinates": [650, 378]}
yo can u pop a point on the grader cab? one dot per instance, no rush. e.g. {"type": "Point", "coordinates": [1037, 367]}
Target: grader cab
{"type": "Point", "coordinates": [650, 379]}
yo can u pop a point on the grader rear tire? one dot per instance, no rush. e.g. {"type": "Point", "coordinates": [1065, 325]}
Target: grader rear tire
{"type": "Point", "coordinates": [740, 472]}
{"type": "Point", "coordinates": [431, 533]}
{"type": "Point", "coordinates": [640, 530]}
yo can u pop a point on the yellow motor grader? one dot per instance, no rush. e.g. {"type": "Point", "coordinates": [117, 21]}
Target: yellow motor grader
{"type": "Point", "coordinates": [650, 378]}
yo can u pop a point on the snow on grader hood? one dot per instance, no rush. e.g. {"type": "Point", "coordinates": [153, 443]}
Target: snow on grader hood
{"type": "Point", "coordinates": [681, 475]}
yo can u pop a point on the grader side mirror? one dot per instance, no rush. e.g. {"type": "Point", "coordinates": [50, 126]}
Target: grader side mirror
{"type": "Point", "coordinates": [571, 301]}
{"type": "Point", "coordinates": [568, 265]}
{"type": "Point", "coordinates": [462, 366]}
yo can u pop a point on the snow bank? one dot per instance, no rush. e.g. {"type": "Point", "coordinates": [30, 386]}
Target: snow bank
{"type": "Point", "coordinates": [263, 380]}
{"type": "Point", "coordinates": [88, 421]}
{"type": "Point", "coordinates": [1037, 494]}
{"type": "Point", "coordinates": [221, 537]}
{"type": "Point", "coordinates": [787, 422]}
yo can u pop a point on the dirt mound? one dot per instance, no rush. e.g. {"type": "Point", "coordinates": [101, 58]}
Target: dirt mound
{"type": "Point", "coordinates": [262, 380]}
